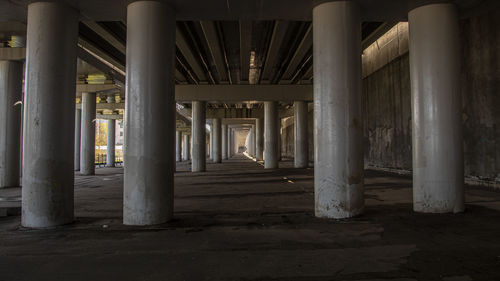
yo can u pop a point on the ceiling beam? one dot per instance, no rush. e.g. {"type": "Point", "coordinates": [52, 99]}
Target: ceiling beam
{"type": "Point", "coordinates": [245, 47]}
{"type": "Point", "coordinates": [243, 93]}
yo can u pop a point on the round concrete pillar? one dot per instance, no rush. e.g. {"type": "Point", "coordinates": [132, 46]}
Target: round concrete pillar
{"type": "Point", "coordinates": [198, 163]}
{"type": "Point", "coordinates": [224, 142]}
{"type": "Point", "coordinates": [87, 152]}
{"type": "Point", "coordinates": [300, 130]}
{"type": "Point", "coordinates": [259, 139]}
{"type": "Point", "coordinates": [217, 140]}
{"type": "Point", "coordinates": [78, 138]}
{"type": "Point", "coordinates": [49, 115]}
{"type": "Point", "coordinates": [229, 142]}
{"type": "Point", "coordinates": [438, 172]}
{"type": "Point", "coordinates": [178, 146]}
{"type": "Point", "coordinates": [338, 149]}
{"type": "Point", "coordinates": [271, 135]}
{"type": "Point", "coordinates": [110, 148]}
{"type": "Point", "coordinates": [211, 143]}
{"type": "Point", "coordinates": [186, 148]}
{"type": "Point", "coordinates": [149, 114]}
{"type": "Point", "coordinates": [11, 81]}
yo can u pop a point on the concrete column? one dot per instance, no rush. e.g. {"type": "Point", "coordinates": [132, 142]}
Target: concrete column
{"type": "Point", "coordinates": [186, 148]}
{"type": "Point", "coordinates": [224, 142]}
{"type": "Point", "coordinates": [251, 141]}
{"type": "Point", "coordinates": [11, 81]}
{"type": "Point", "coordinates": [49, 112]}
{"type": "Point", "coordinates": [211, 143]}
{"type": "Point", "coordinates": [110, 148]}
{"type": "Point", "coordinates": [338, 167]}
{"type": "Point", "coordinates": [300, 130]}
{"type": "Point", "coordinates": [149, 114]}
{"type": "Point", "coordinates": [87, 152]}
{"type": "Point", "coordinates": [229, 142]}
{"type": "Point", "coordinates": [78, 138]}
{"type": "Point", "coordinates": [217, 140]}
{"type": "Point", "coordinates": [438, 172]}
{"type": "Point", "coordinates": [178, 146]}
{"type": "Point", "coordinates": [271, 135]}
{"type": "Point", "coordinates": [259, 139]}
{"type": "Point", "coordinates": [198, 163]}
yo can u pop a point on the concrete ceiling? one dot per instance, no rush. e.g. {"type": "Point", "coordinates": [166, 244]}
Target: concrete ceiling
{"type": "Point", "coordinates": [115, 10]}
{"type": "Point", "coordinates": [222, 41]}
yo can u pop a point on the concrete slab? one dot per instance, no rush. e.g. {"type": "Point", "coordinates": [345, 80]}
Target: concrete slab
{"type": "Point", "coordinates": [237, 221]}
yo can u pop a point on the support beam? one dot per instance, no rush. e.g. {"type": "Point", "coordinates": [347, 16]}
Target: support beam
{"type": "Point", "coordinates": [224, 141]}
{"type": "Point", "coordinates": [338, 160]}
{"type": "Point", "coordinates": [87, 152]}
{"type": "Point", "coordinates": [243, 93]}
{"type": "Point", "coordinates": [217, 140]}
{"type": "Point", "coordinates": [259, 139]}
{"type": "Point", "coordinates": [49, 112]}
{"type": "Point", "coordinates": [110, 153]}
{"type": "Point", "coordinates": [252, 141]}
{"type": "Point", "coordinates": [11, 81]}
{"type": "Point", "coordinates": [271, 135]}
{"type": "Point", "coordinates": [186, 148]}
{"type": "Point", "coordinates": [150, 114]}
{"type": "Point", "coordinates": [301, 152]}
{"type": "Point", "coordinates": [198, 163]}
{"type": "Point", "coordinates": [92, 88]}
{"type": "Point", "coordinates": [438, 172]}
{"type": "Point", "coordinates": [211, 143]}
{"type": "Point", "coordinates": [229, 142]}
{"type": "Point", "coordinates": [178, 146]}
{"type": "Point", "coordinates": [78, 138]}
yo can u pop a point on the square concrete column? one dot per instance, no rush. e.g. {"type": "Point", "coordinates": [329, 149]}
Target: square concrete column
{"type": "Point", "coordinates": [259, 139]}
{"type": "Point", "coordinates": [301, 156]}
{"type": "Point", "coordinates": [110, 145]}
{"type": "Point", "coordinates": [78, 136]}
{"type": "Point", "coordinates": [87, 152]}
{"type": "Point", "coordinates": [186, 148]}
{"type": "Point", "coordinates": [178, 146]}
{"type": "Point", "coordinates": [49, 115]}
{"type": "Point", "coordinates": [338, 149]}
{"type": "Point", "coordinates": [149, 114]}
{"type": "Point", "coordinates": [198, 161]}
{"type": "Point", "coordinates": [438, 171]}
{"type": "Point", "coordinates": [271, 135]}
{"type": "Point", "coordinates": [11, 81]}
{"type": "Point", "coordinates": [224, 141]}
{"type": "Point", "coordinates": [217, 140]}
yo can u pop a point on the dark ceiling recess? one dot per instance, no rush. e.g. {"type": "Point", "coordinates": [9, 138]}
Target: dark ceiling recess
{"type": "Point", "coordinates": [278, 52]}
{"type": "Point", "coordinates": [100, 43]}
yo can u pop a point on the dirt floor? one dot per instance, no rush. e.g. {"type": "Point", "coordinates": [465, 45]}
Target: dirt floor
{"type": "Point", "coordinates": [238, 221]}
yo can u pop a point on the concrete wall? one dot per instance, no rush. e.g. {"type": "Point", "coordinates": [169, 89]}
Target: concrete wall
{"type": "Point", "coordinates": [387, 116]}
{"type": "Point", "coordinates": [387, 100]}
{"type": "Point", "coordinates": [481, 94]}
{"type": "Point", "coordinates": [387, 104]}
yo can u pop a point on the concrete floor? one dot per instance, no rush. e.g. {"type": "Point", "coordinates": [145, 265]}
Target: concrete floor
{"type": "Point", "coordinates": [238, 221]}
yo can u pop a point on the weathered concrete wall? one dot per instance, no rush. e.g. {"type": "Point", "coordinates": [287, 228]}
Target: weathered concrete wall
{"type": "Point", "coordinates": [387, 101]}
{"type": "Point", "coordinates": [387, 116]}
{"type": "Point", "coordinates": [387, 104]}
{"type": "Point", "coordinates": [481, 94]}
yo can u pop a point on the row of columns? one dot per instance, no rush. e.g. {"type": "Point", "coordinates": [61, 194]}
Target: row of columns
{"type": "Point", "coordinates": [438, 175]}
{"type": "Point", "coordinates": [48, 147]}
{"type": "Point", "coordinates": [85, 137]}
